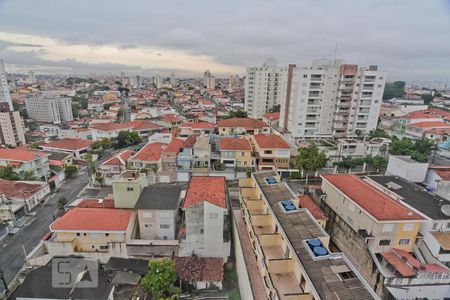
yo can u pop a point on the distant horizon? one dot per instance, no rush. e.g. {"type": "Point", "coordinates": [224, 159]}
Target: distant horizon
{"type": "Point", "coordinates": [410, 40]}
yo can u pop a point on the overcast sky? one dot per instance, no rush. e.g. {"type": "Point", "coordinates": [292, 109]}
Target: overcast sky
{"type": "Point", "coordinates": [409, 39]}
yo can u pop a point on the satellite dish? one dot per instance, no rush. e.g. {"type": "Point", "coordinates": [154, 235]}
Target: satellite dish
{"type": "Point", "coordinates": [446, 209]}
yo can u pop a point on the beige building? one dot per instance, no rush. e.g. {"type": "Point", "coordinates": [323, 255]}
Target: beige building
{"type": "Point", "coordinates": [290, 248]}
{"type": "Point", "coordinates": [127, 188]}
{"type": "Point", "coordinates": [12, 131]}
{"type": "Point", "coordinates": [271, 152]}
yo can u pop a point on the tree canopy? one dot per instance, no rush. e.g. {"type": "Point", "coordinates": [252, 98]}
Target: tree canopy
{"type": "Point", "coordinates": [419, 150]}
{"type": "Point", "coordinates": [126, 138]}
{"type": "Point", "coordinates": [160, 278]}
{"type": "Point", "coordinates": [427, 98]}
{"type": "Point", "coordinates": [394, 89]}
{"type": "Point", "coordinates": [310, 158]}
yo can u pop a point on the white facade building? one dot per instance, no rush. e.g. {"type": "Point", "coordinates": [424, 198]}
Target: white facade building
{"type": "Point", "coordinates": [329, 99]}
{"type": "Point", "coordinates": [49, 107]}
{"type": "Point", "coordinates": [31, 77]}
{"type": "Point", "coordinates": [12, 131]}
{"type": "Point", "coordinates": [158, 81]}
{"type": "Point", "coordinates": [261, 88]}
{"type": "Point", "coordinates": [209, 81]}
{"type": "Point", "coordinates": [5, 95]}
{"type": "Point", "coordinates": [173, 80]}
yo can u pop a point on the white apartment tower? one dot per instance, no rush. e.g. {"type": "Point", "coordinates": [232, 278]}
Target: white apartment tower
{"type": "Point", "coordinates": [233, 83]}
{"type": "Point", "coordinates": [49, 107]}
{"type": "Point", "coordinates": [261, 84]}
{"type": "Point", "coordinates": [209, 81]}
{"type": "Point", "coordinates": [12, 131]}
{"type": "Point", "coordinates": [31, 77]}
{"type": "Point", "coordinates": [5, 95]}
{"type": "Point", "coordinates": [157, 80]}
{"type": "Point", "coordinates": [172, 80]}
{"type": "Point", "coordinates": [330, 99]}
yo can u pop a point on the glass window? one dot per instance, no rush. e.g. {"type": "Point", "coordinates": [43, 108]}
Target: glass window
{"type": "Point", "coordinates": [388, 227]}
{"type": "Point", "coordinates": [408, 227]}
{"type": "Point", "coordinates": [384, 243]}
{"type": "Point", "coordinates": [404, 241]}
{"type": "Point", "coordinates": [164, 226]}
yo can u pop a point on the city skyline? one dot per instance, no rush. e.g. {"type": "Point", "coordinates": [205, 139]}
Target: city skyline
{"type": "Point", "coordinates": [144, 39]}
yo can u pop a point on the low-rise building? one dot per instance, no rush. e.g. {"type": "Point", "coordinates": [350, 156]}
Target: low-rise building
{"type": "Point", "coordinates": [195, 128]}
{"type": "Point", "coordinates": [206, 228]}
{"type": "Point", "coordinates": [271, 118]}
{"type": "Point", "coordinates": [438, 180]}
{"type": "Point", "coordinates": [201, 272]}
{"type": "Point", "coordinates": [168, 171]}
{"type": "Point", "coordinates": [236, 152]}
{"type": "Point", "coordinates": [202, 154]}
{"type": "Point", "coordinates": [271, 151]}
{"type": "Point", "coordinates": [111, 169]}
{"type": "Point", "coordinates": [185, 159]}
{"type": "Point", "coordinates": [406, 167]}
{"type": "Point", "coordinates": [149, 157]}
{"type": "Point", "coordinates": [76, 147]}
{"type": "Point", "coordinates": [127, 188]}
{"type": "Point", "coordinates": [242, 126]}
{"type": "Point", "coordinates": [157, 210]}
{"type": "Point", "coordinates": [28, 192]}
{"type": "Point", "coordinates": [108, 130]}
{"type": "Point", "coordinates": [22, 160]}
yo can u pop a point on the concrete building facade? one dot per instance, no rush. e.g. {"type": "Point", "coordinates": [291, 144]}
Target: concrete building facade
{"type": "Point", "coordinates": [49, 107]}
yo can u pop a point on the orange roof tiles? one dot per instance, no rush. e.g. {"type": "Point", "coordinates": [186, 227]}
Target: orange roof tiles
{"type": "Point", "coordinates": [93, 219]}
{"type": "Point", "coordinates": [429, 125]}
{"type": "Point", "coordinates": [69, 144]}
{"type": "Point", "coordinates": [96, 203]}
{"type": "Point", "coordinates": [306, 202]}
{"type": "Point", "coordinates": [205, 188]}
{"type": "Point", "coordinates": [111, 127]}
{"type": "Point", "coordinates": [234, 144]}
{"type": "Point", "coordinates": [174, 146]}
{"type": "Point", "coordinates": [190, 141]}
{"type": "Point", "coordinates": [193, 268]}
{"type": "Point", "coordinates": [273, 116]}
{"type": "Point", "coordinates": [20, 154]}
{"type": "Point", "coordinates": [271, 141]}
{"type": "Point", "coordinates": [171, 118]}
{"type": "Point", "coordinates": [150, 152]}
{"type": "Point", "coordinates": [19, 190]}
{"type": "Point", "coordinates": [379, 205]}
{"type": "Point", "coordinates": [399, 265]}
{"type": "Point", "coordinates": [119, 159]}
{"type": "Point", "coordinates": [199, 125]}
{"type": "Point", "coordinates": [247, 123]}
{"type": "Point", "coordinates": [143, 125]}
{"type": "Point", "coordinates": [444, 174]}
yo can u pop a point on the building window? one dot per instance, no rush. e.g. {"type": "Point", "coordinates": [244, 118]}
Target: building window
{"type": "Point", "coordinates": [164, 226]}
{"type": "Point", "coordinates": [147, 225]}
{"type": "Point", "coordinates": [106, 234]}
{"type": "Point", "coordinates": [130, 189]}
{"type": "Point", "coordinates": [384, 243]}
{"type": "Point", "coordinates": [388, 227]}
{"type": "Point", "coordinates": [404, 241]}
{"type": "Point", "coordinates": [103, 247]}
{"type": "Point", "coordinates": [147, 214]}
{"type": "Point", "coordinates": [435, 226]}
{"type": "Point", "coordinates": [408, 227]}
{"type": "Point", "coordinates": [84, 234]}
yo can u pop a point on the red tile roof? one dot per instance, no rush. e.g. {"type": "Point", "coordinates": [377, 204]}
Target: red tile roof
{"type": "Point", "coordinates": [171, 118]}
{"type": "Point", "coordinates": [119, 159]}
{"type": "Point", "coordinates": [69, 144]}
{"type": "Point", "coordinates": [199, 125]}
{"type": "Point", "coordinates": [96, 203]}
{"type": "Point", "coordinates": [376, 203]}
{"type": "Point", "coordinates": [204, 188]}
{"type": "Point", "coordinates": [111, 127]}
{"type": "Point", "coordinates": [423, 114]}
{"type": "Point", "coordinates": [429, 125]}
{"type": "Point", "coordinates": [444, 174]}
{"type": "Point", "coordinates": [399, 265]}
{"type": "Point", "coordinates": [272, 141]}
{"type": "Point", "coordinates": [143, 125]}
{"type": "Point", "coordinates": [247, 123]}
{"type": "Point", "coordinates": [190, 141]}
{"type": "Point", "coordinates": [19, 190]}
{"type": "Point", "coordinates": [174, 146]}
{"type": "Point", "coordinates": [306, 202]}
{"type": "Point", "coordinates": [150, 152]}
{"type": "Point", "coordinates": [193, 268]}
{"type": "Point", "coordinates": [93, 219]}
{"type": "Point", "coordinates": [20, 154]}
{"type": "Point", "coordinates": [234, 144]}
{"type": "Point", "coordinates": [272, 116]}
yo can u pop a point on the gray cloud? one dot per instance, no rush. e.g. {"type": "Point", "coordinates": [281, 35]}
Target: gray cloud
{"type": "Point", "coordinates": [409, 39]}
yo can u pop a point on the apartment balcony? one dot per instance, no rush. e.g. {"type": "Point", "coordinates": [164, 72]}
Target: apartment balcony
{"type": "Point", "coordinates": [287, 287]}
{"type": "Point", "coordinates": [314, 94]}
{"type": "Point", "coordinates": [365, 103]}
{"type": "Point", "coordinates": [261, 220]}
{"type": "Point", "coordinates": [312, 110]}
{"type": "Point", "coordinates": [316, 79]}
{"type": "Point", "coordinates": [369, 79]}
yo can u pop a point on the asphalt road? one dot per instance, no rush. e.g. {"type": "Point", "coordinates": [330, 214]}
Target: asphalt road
{"type": "Point", "coordinates": [12, 257]}
{"type": "Point", "coordinates": [125, 108]}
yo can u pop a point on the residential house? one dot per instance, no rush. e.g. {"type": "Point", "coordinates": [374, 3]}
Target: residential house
{"type": "Point", "coordinates": [91, 230]}
{"type": "Point", "coordinates": [202, 154]}
{"type": "Point", "coordinates": [287, 249]}
{"type": "Point", "coordinates": [419, 130]}
{"type": "Point", "coordinates": [201, 272]}
{"type": "Point", "coordinates": [242, 126]}
{"type": "Point", "coordinates": [168, 171]}
{"type": "Point", "coordinates": [23, 160]}
{"type": "Point", "coordinates": [149, 157]}
{"type": "Point", "coordinates": [236, 152]}
{"type": "Point", "coordinates": [144, 128]}
{"type": "Point", "coordinates": [206, 228]}
{"type": "Point", "coordinates": [170, 121]}
{"type": "Point", "coordinates": [10, 211]}
{"type": "Point", "coordinates": [76, 147]}
{"type": "Point", "coordinates": [185, 159]}
{"type": "Point", "coordinates": [271, 151]}
{"type": "Point", "coordinates": [61, 159]}
{"type": "Point", "coordinates": [199, 128]}
{"type": "Point", "coordinates": [111, 169]}
{"type": "Point", "coordinates": [157, 209]}
{"type": "Point", "coordinates": [108, 130]}
{"type": "Point", "coordinates": [271, 118]}
{"type": "Point", "coordinates": [28, 192]}
{"type": "Point", "coordinates": [437, 180]}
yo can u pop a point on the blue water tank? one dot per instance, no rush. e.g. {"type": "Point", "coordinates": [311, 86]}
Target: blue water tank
{"type": "Point", "coordinates": [289, 207]}
{"type": "Point", "coordinates": [314, 243]}
{"type": "Point", "coordinates": [320, 251]}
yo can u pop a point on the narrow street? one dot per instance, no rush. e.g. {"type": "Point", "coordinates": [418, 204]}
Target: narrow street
{"type": "Point", "coordinates": [12, 257]}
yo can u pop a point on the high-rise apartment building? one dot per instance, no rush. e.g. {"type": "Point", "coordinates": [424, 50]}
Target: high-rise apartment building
{"type": "Point", "coordinates": [330, 99]}
{"type": "Point", "coordinates": [209, 81]}
{"type": "Point", "coordinates": [5, 95]}
{"type": "Point", "coordinates": [158, 81]}
{"type": "Point", "coordinates": [233, 83]}
{"type": "Point", "coordinates": [261, 88]}
{"type": "Point", "coordinates": [49, 107]}
{"type": "Point", "coordinates": [172, 80]}
{"type": "Point", "coordinates": [12, 131]}
{"type": "Point", "coordinates": [31, 77]}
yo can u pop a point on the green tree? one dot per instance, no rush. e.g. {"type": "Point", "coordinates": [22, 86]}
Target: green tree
{"type": "Point", "coordinates": [401, 147]}
{"type": "Point", "coordinates": [126, 138]}
{"type": "Point", "coordinates": [62, 201]}
{"type": "Point", "coordinates": [378, 133]}
{"type": "Point", "coordinates": [160, 278]}
{"type": "Point", "coordinates": [71, 171]}
{"type": "Point", "coordinates": [427, 98]}
{"type": "Point", "coordinates": [237, 114]}
{"type": "Point", "coordinates": [28, 176]}
{"type": "Point", "coordinates": [275, 108]}
{"type": "Point", "coordinates": [310, 159]}
{"type": "Point", "coordinates": [419, 150]}
{"type": "Point", "coordinates": [9, 174]}
{"type": "Point", "coordinates": [394, 89]}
